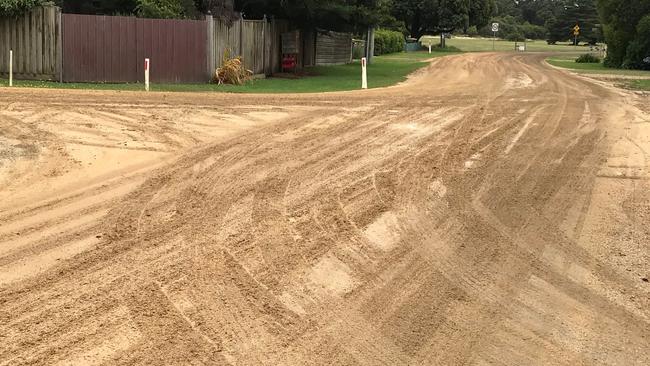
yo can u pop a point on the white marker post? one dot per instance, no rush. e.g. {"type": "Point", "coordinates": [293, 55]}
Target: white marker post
{"type": "Point", "coordinates": [146, 74]}
{"type": "Point", "coordinates": [364, 74]}
{"type": "Point", "coordinates": [11, 68]}
{"type": "Point", "coordinates": [429, 48]}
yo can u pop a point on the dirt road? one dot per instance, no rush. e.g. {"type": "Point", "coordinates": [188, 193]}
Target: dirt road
{"type": "Point", "coordinates": [492, 210]}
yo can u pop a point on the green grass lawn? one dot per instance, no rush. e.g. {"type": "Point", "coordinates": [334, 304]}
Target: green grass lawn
{"type": "Point", "coordinates": [589, 68]}
{"type": "Point", "coordinates": [384, 71]}
{"type": "Point", "coordinates": [485, 44]}
{"type": "Point", "coordinates": [643, 84]}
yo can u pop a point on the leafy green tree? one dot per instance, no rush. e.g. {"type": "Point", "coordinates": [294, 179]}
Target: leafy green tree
{"type": "Point", "coordinates": [146, 8]}
{"type": "Point", "coordinates": [9, 8]}
{"type": "Point", "coordinates": [479, 13]}
{"type": "Point", "coordinates": [165, 9]}
{"type": "Point", "coordinates": [441, 16]}
{"type": "Point", "coordinates": [333, 14]}
{"type": "Point", "coordinates": [638, 52]}
{"type": "Point", "coordinates": [98, 7]}
{"type": "Point", "coordinates": [621, 20]}
{"type": "Point", "coordinates": [506, 8]}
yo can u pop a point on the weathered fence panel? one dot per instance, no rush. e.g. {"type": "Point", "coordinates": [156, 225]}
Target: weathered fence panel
{"type": "Point", "coordinates": [253, 41]}
{"type": "Point", "coordinates": [113, 49]}
{"type": "Point", "coordinates": [250, 39]}
{"type": "Point", "coordinates": [333, 48]}
{"type": "Point", "coordinates": [35, 40]}
{"type": "Point", "coordinates": [277, 28]}
{"type": "Point", "coordinates": [227, 39]}
{"type": "Point", "coordinates": [88, 48]}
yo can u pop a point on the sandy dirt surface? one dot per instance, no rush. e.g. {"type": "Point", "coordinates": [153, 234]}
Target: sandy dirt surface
{"type": "Point", "coordinates": [490, 211]}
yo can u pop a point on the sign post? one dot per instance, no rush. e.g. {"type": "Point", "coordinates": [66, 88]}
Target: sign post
{"type": "Point", "coordinates": [576, 33]}
{"type": "Point", "coordinates": [11, 67]}
{"type": "Point", "coordinates": [495, 29]}
{"type": "Point", "coordinates": [364, 74]}
{"type": "Point", "coordinates": [146, 74]}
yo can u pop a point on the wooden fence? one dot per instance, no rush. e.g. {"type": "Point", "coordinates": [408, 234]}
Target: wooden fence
{"type": "Point", "coordinates": [88, 48]}
{"type": "Point", "coordinates": [35, 39]}
{"type": "Point", "coordinates": [113, 49]}
{"type": "Point", "coordinates": [257, 41]}
{"type": "Point", "coordinates": [333, 48]}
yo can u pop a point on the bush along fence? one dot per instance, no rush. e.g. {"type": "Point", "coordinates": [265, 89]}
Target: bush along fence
{"type": "Point", "coordinates": [387, 41]}
{"type": "Point", "coordinates": [49, 45]}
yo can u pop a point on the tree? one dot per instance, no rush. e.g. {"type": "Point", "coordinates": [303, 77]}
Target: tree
{"type": "Point", "coordinates": [344, 15]}
{"type": "Point", "coordinates": [147, 8]}
{"type": "Point", "coordinates": [103, 7]}
{"type": "Point", "coordinates": [166, 9]}
{"type": "Point", "coordinates": [624, 31]}
{"type": "Point", "coordinates": [479, 13]}
{"type": "Point", "coordinates": [638, 51]}
{"type": "Point", "coordinates": [441, 16]}
{"type": "Point", "coordinates": [9, 8]}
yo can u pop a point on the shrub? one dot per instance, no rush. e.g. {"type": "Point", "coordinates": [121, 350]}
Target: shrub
{"type": "Point", "coordinates": [387, 41]}
{"type": "Point", "coordinates": [437, 48]}
{"type": "Point", "coordinates": [588, 58]}
{"type": "Point", "coordinates": [532, 31]}
{"type": "Point", "coordinates": [515, 36]}
{"type": "Point", "coordinates": [472, 31]}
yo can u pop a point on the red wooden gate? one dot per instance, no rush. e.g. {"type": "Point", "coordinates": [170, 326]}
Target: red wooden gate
{"type": "Point", "coordinates": [113, 49]}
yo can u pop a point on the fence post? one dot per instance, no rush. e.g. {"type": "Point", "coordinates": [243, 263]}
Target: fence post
{"type": "Point", "coordinates": [364, 74]}
{"type": "Point", "coordinates": [11, 68]}
{"type": "Point", "coordinates": [264, 46]}
{"type": "Point", "coordinates": [146, 74]}
{"type": "Point", "coordinates": [210, 49]}
{"type": "Point", "coordinates": [59, 42]}
{"type": "Point", "coordinates": [370, 46]}
{"type": "Point", "coordinates": [241, 34]}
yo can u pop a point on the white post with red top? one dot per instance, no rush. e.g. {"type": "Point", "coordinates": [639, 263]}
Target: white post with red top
{"type": "Point", "coordinates": [146, 74]}
{"type": "Point", "coordinates": [364, 74]}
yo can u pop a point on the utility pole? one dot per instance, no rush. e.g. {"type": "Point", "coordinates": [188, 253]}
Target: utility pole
{"type": "Point", "coordinates": [370, 44]}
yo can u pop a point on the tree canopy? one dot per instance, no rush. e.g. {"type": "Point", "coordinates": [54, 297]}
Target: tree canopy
{"type": "Point", "coordinates": [16, 7]}
{"type": "Point", "coordinates": [626, 24]}
{"type": "Point", "coordinates": [550, 19]}
{"type": "Point", "coordinates": [147, 8]}
{"type": "Point", "coordinates": [432, 16]}
{"type": "Point", "coordinates": [328, 14]}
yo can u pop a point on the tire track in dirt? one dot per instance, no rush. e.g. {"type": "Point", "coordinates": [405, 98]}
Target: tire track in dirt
{"type": "Point", "coordinates": [454, 219]}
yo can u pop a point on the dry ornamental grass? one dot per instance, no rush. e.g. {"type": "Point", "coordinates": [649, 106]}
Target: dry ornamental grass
{"type": "Point", "coordinates": [232, 71]}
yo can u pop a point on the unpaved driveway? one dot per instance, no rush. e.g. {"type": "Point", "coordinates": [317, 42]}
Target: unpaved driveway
{"type": "Point", "coordinates": [492, 210]}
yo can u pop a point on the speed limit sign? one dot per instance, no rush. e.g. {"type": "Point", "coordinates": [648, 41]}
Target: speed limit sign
{"type": "Point", "coordinates": [495, 27]}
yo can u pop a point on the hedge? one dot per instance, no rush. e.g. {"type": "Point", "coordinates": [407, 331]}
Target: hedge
{"type": "Point", "coordinates": [387, 41]}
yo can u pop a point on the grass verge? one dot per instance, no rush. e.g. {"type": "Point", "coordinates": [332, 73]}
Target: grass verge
{"type": "Point", "coordinates": [384, 71]}
{"type": "Point", "coordinates": [467, 44]}
{"type": "Point", "coordinates": [593, 68]}
{"type": "Point", "coordinates": [643, 84]}
{"type": "Point", "coordinates": [629, 79]}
